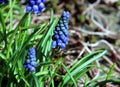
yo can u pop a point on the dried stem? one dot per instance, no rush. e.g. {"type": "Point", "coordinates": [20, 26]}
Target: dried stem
{"type": "Point", "coordinates": [110, 46]}
{"type": "Point", "coordinates": [91, 6]}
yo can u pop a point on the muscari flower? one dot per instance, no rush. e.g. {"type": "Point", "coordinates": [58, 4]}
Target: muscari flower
{"type": "Point", "coordinates": [36, 6]}
{"type": "Point", "coordinates": [60, 37]}
{"type": "Point", "coordinates": [30, 62]}
{"type": "Point", "coordinates": [3, 1]}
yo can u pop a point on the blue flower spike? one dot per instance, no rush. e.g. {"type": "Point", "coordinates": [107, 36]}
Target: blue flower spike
{"type": "Point", "coordinates": [30, 62]}
{"type": "Point", "coordinates": [3, 1]}
{"type": "Point", "coordinates": [60, 37]}
{"type": "Point", "coordinates": [35, 6]}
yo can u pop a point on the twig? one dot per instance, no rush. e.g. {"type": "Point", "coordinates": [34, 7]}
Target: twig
{"type": "Point", "coordinates": [91, 6]}
{"type": "Point", "coordinates": [92, 33]}
{"type": "Point", "coordinates": [101, 26]}
{"type": "Point", "coordinates": [82, 51]}
{"type": "Point", "coordinates": [97, 62]}
{"type": "Point", "coordinates": [110, 46]}
{"type": "Point", "coordinates": [110, 62]}
{"type": "Point", "coordinates": [103, 17]}
{"type": "Point", "coordinates": [107, 43]}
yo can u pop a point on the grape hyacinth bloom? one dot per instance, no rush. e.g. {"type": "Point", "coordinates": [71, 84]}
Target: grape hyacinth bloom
{"type": "Point", "coordinates": [30, 62]}
{"type": "Point", "coordinates": [60, 37]}
{"type": "Point", "coordinates": [3, 1]}
{"type": "Point", "coordinates": [36, 6]}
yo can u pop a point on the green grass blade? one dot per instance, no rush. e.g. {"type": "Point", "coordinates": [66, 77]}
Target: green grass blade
{"type": "Point", "coordinates": [93, 81]}
{"type": "Point", "coordinates": [36, 80]}
{"type": "Point", "coordinates": [26, 82]}
{"type": "Point", "coordinates": [98, 55]}
{"type": "Point", "coordinates": [46, 40]}
{"type": "Point", "coordinates": [84, 59]}
{"type": "Point", "coordinates": [3, 33]}
{"type": "Point", "coordinates": [71, 77]}
{"type": "Point", "coordinates": [110, 72]}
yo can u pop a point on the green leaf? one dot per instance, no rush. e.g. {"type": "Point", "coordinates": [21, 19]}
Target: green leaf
{"type": "Point", "coordinates": [110, 72]}
{"type": "Point", "coordinates": [2, 56]}
{"type": "Point", "coordinates": [36, 81]}
{"type": "Point", "coordinates": [75, 84]}
{"type": "Point", "coordinates": [84, 63]}
{"type": "Point", "coordinates": [26, 82]}
{"type": "Point", "coordinates": [3, 32]}
{"type": "Point", "coordinates": [46, 41]}
{"type": "Point", "coordinates": [93, 81]}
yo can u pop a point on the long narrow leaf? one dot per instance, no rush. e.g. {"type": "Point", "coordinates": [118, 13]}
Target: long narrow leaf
{"type": "Point", "coordinates": [98, 55]}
